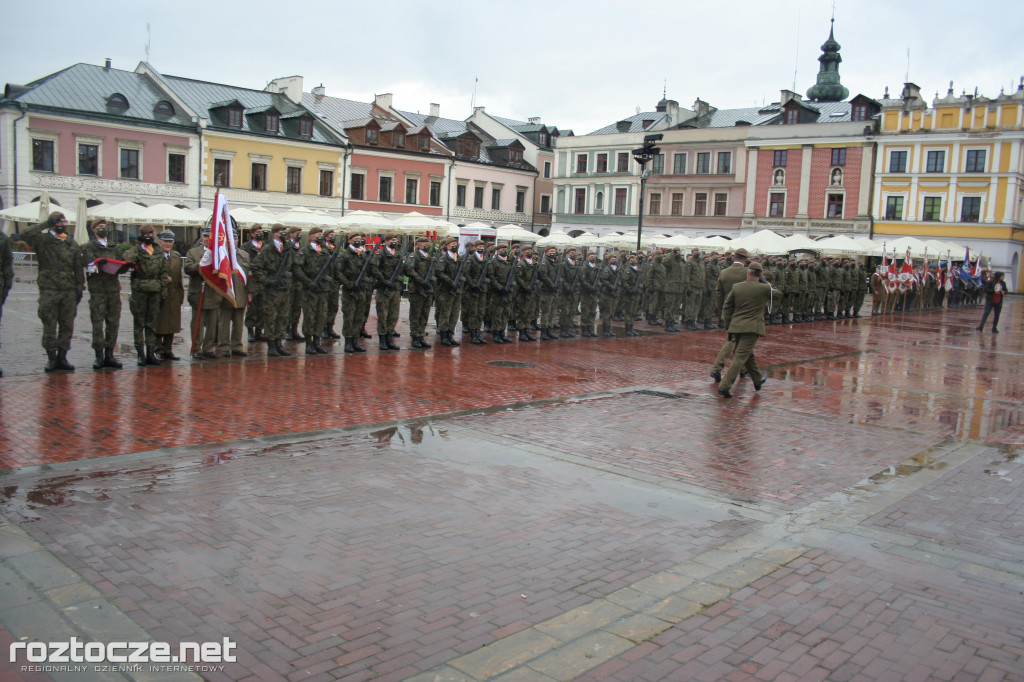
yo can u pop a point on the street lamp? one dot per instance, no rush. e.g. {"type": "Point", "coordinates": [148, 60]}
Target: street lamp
{"type": "Point", "coordinates": [643, 156]}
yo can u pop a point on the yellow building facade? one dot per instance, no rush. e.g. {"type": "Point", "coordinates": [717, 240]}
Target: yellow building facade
{"type": "Point", "coordinates": [954, 171]}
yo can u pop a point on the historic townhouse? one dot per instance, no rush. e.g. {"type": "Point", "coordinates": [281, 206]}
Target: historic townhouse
{"type": "Point", "coordinates": [953, 171]}
{"type": "Point", "coordinates": [490, 180]}
{"type": "Point", "coordinates": [393, 167]}
{"type": "Point", "coordinates": [114, 135]}
{"type": "Point", "coordinates": [263, 148]}
{"type": "Point", "coordinates": [538, 142]}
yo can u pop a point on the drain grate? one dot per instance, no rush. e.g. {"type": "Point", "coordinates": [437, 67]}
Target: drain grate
{"type": "Point", "coordinates": [509, 363]}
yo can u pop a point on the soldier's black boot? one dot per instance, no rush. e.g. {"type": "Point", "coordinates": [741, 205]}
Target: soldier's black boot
{"type": "Point", "coordinates": [364, 335]}
{"type": "Point", "coordinates": [445, 339]}
{"type": "Point", "coordinates": [382, 341]}
{"type": "Point", "coordinates": [608, 333]}
{"type": "Point", "coordinates": [151, 358]}
{"type": "Point", "coordinates": [474, 337]}
{"type": "Point", "coordinates": [260, 336]}
{"type": "Point", "coordinates": [141, 362]}
{"type": "Point", "coordinates": [349, 345]}
{"type": "Point", "coordinates": [252, 334]}
{"type": "Point", "coordinates": [62, 361]}
{"type": "Point", "coordinates": [454, 341]}
{"type": "Point", "coordinates": [280, 349]}
{"type": "Point", "coordinates": [416, 342]}
{"type": "Point", "coordinates": [424, 344]}
{"type": "Point", "coordinates": [391, 344]}
{"type": "Point", "coordinates": [311, 348]}
{"type": "Point", "coordinates": [524, 335]}
{"type": "Point", "coordinates": [496, 337]}
{"type": "Point", "coordinates": [98, 362]}
{"type": "Point", "coordinates": [566, 334]}
{"type": "Point", "coordinates": [272, 350]}
{"type": "Point", "coordinates": [109, 360]}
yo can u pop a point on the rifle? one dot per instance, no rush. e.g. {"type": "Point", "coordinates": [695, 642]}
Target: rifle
{"type": "Point", "coordinates": [429, 276]}
{"type": "Point", "coordinates": [286, 252]}
{"type": "Point", "coordinates": [618, 274]}
{"type": "Point", "coordinates": [639, 276]}
{"type": "Point", "coordinates": [362, 273]}
{"type": "Point", "coordinates": [483, 274]}
{"type": "Point", "coordinates": [597, 277]}
{"type": "Point", "coordinates": [506, 291]}
{"type": "Point", "coordinates": [458, 274]}
{"type": "Point", "coordinates": [576, 278]}
{"type": "Point", "coordinates": [324, 270]}
{"type": "Point", "coordinates": [389, 287]}
{"type": "Point", "coordinates": [558, 275]}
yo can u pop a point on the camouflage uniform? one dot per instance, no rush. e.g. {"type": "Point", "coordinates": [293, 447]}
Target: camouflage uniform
{"type": "Point", "coordinates": [694, 290]}
{"type": "Point", "coordinates": [547, 296]}
{"type": "Point", "coordinates": [474, 297]}
{"type": "Point", "coordinates": [675, 285]}
{"type": "Point", "coordinates": [526, 298]}
{"type": "Point", "coordinates": [448, 296]}
{"type": "Point", "coordinates": [389, 292]}
{"type": "Point", "coordinates": [104, 295]}
{"type": "Point", "coordinates": [589, 286]}
{"type": "Point", "coordinates": [272, 275]}
{"type": "Point", "coordinates": [61, 281]}
{"type": "Point", "coordinates": [421, 294]}
{"type": "Point", "coordinates": [355, 301]}
{"type": "Point", "coordinates": [610, 286]}
{"type": "Point", "coordinates": [6, 273]}
{"type": "Point", "coordinates": [149, 288]}
{"type": "Point", "coordinates": [312, 259]}
{"type": "Point", "coordinates": [707, 306]}
{"type": "Point", "coordinates": [569, 296]}
{"type": "Point", "coordinates": [252, 313]}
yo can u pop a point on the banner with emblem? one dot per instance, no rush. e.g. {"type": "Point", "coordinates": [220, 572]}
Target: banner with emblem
{"type": "Point", "coordinates": [220, 259]}
{"type": "Point", "coordinates": [906, 275]}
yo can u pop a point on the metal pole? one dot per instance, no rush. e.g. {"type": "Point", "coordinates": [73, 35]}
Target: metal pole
{"type": "Point", "coordinates": [640, 218]}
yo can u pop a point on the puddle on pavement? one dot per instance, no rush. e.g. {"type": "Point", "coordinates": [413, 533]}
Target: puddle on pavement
{"type": "Point", "coordinates": [919, 462]}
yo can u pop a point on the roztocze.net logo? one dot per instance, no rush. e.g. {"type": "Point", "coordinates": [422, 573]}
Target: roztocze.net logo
{"type": "Point", "coordinates": [76, 651]}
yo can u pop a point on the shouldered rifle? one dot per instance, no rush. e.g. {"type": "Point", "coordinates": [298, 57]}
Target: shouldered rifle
{"type": "Point", "coordinates": [639, 277]}
{"type": "Point", "coordinates": [428, 277]}
{"type": "Point", "coordinates": [458, 274]}
{"type": "Point", "coordinates": [558, 275]}
{"type": "Point", "coordinates": [362, 273]}
{"type": "Point", "coordinates": [325, 269]}
{"type": "Point", "coordinates": [506, 291]}
{"type": "Point", "coordinates": [390, 286]}
{"type": "Point", "coordinates": [483, 275]}
{"type": "Point", "coordinates": [286, 253]}
{"type": "Point", "coordinates": [597, 277]}
{"type": "Point", "coordinates": [576, 277]}
{"type": "Point", "coordinates": [533, 278]}
{"type": "Point", "coordinates": [618, 274]}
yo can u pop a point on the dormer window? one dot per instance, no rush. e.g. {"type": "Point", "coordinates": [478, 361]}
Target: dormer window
{"type": "Point", "coordinates": [859, 112]}
{"type": "Point", "coordinates": [371, 136]}
{"type": "Point", "coordinates": [515, 155]}
{"type": "Point", "coordinates": [305, 127]}
{"type": "Point", "coordinates": [792, 116]}
{"type": "Point", "coordinates": [542, 140]}
{"type": "Point", "coordinates": [399, 139]}
{"type": "Point", "coordinates": [117, 101]}
{"type": "Point", "coordinates": [424, 142]}
{"type": "Point", "coordinates": [272, 122]}
{"type": "Point", "coordinates": [164, 108]}
{"type": "Point", "coordinates": [235, 117]}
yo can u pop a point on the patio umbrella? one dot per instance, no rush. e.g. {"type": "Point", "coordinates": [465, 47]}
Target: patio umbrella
{"type": "Point", "coordinates": [514, 233]}
{"type": "Point", "coordinates": [81, 226]}
{"type": "Point", "coordinates": [900, 246]}
{"type": "Point", "coordinates": [675, 241]}
{"type": "Point", "coordinates": [557, 238]}
{"type": "Point", "coordinates": [44, 206]}
{"type": "Point", "coordinates": [116, 213]}
{"type": "Point", "coordinates": [29, 213]}
{"type": "Point", "coordinates": [714, 243]}
{"type": "Point", "coordinates": [763, 242]}
{"type": "Point", "coordinates": [300, 216]}
{"type": "Point", "coordinates": [799, 242]}
{"type": "Point", "coordinates": [363, 221]}
{"type": "Point", "coordinates": [839, 246]}
{"type": "Point", "coordinates": [247, 217]}
{"type": "Point", "coordinates": [415, 223]}
{"type": "Point", "coordinates": [166, 214]}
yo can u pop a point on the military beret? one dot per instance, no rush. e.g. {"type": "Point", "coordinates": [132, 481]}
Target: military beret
{"type": "Point", "coordinates": [290, 230]}
{"type": "Point", "coordinates": [755, 266]}
{"type": "Point", "coordinates": [315, 230]}
{"type": "Point", "coordinates": [391, 235]}
{"type": "Point", "coordinates": [276, 227]}
{"type": "Point", "coordinates": [166, 236]}
{"type": "Point", "coordinates": [352, 235]}
{"type": "Point", "coordinates": [422, 240]}
{"type": "Point", "coordinates": [741, 252]}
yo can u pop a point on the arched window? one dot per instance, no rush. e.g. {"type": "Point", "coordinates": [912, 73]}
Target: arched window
{"type": "Point", "coordinates": [599, 205]}
{"type": "Point", "coordinates": [163, 108]}
{"type": "Point", "coordinates": [117, 101]}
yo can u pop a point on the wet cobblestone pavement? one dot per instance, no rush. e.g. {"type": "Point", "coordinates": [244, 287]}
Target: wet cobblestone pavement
{"type": "Point", "coordinates": [593, 512]}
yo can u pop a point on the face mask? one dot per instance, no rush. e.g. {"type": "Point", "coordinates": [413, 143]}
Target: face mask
{"type": "Point", "coordinates": [258, 236]}
{"type": "Point", "coordinates": [58, 229]}
{"type": "Point", "coordinates": [148, 239]}
{"type": "Point", "coordinates": [320, 240]}
{"type": "Point", "coordinates": [101, 232]}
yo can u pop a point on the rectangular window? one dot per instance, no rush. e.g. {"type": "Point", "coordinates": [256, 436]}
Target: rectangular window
{"type": "Point", "coordinates": [305, 127]}
{"type": "Point", "coordinates": [581, 163]}
{"type": "Point", "coordinates": [435, 192]}
{"type": "Point", "coordinates": [602, 163]}
{"type": "Point", "coordinates": [460, 196]}
{"type": "Point", "coordinates": [545, 203]}
{"type": "Point", "coordinates": [620, 201]}
{"type": "Point", "coordinates": [724, 162]}
{"type": "Point", "coordinates": [701, 204]}
{"type": "Point", "coordinates": [581, 200]}
{"type": "Point", "coordinates": [88, 159]}
{"type": "Point", "coordinates": [677, 203]}
{"type": "Point", "coordinates": [478, 197]}
{"type": "Point", "coordinates": [42, 155]}
{"type": "Point", "coordinates": [235, 117]}
{"type": "Point", "coordinates": [777, 205]}
{"type": "Point", "coordinates": [259, 177]}
{"type": "Point", "coordinates": [623, 163]}
{"type": "Point", "coordinates": [897, 162]}
{"type": "Point", "coordinates": [412, 190]}
{"type": "Point", "coordinates": [970, 210]}
{"type": "Point", "coordinates": [659, 164]}
{"type": "Point", "coordinates": [932, 208]}
{"type": "Point", "coordinates": [936, 162]}
{"type": "Point", "coordinates": [384, 188]}
{"type": "Point", "coordinates": [495, 199]}
{"type": "Point", "coordinates": [679, 164]}
{"type": "Point", "coordinates": [326, 183]}
{"type": "Point", "coordinates": [400, 141]}
{"type": "Point", "coordinates": [520, 201]}
{"type": "Point", "coordinates": [839, 156]}
{"type": "Point", "coordinates": [703, 163]}
{"type": "Point", "coordinates": [175, 168]}
{"type": "Point", "coordinates": [894, 208]}
{"type": "Point", "coordinates": [372, 136]}
{"type": "Point", "coordinates": [424, 142]}
{"type": "Point", "coordinates": [358, 190]}
{"type": "Point", "coordinates": [547, 169]}
{"type": "Point", "coordinates": [273, 123]}
{"type": "Point", "coordinates": [975, 161]}
{"type": "Point", "coordinates": [835, 205]}
{"type": "Point", "coordinates": [293, 183]}
{"type": "Point", "coordinates": [129, 164]}
{"type": "Point", "coordinates": [779, 158]}
{"type": "Point", "coordinates": [859, 113]}
{"type": "Point", "coordinates": [721, 202]}
{"type": "Point", "coordinates": [655, 208]}
{"type": "Point", "coordinates": [792, 116]}
{"type": "Point", "coordinates": [221, 173]}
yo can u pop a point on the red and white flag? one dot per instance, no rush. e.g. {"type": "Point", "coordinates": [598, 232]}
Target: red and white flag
{"type": "Point", "coordinates": [906, 275]}
{"type": "Point", "coordinates": [220, 260]}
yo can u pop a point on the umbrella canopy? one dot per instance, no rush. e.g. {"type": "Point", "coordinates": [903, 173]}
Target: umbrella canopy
{"type": "Point", "coordinates": [556, 238]}
{"type": "Point", "coordinates": [415, 223]}
{"type": "Point", "coordinates": [29, 213]}
{"type": "Point", "coordinates": [165, 214]}
{"type": "Point", "coordinates": [300, 216]}
{"type": "Point", "coordinates": [680, 241]}
{"type": "Point", "coordinates": [247, 217]}
{"type": "Point", "coordinates": [939, 249]}
{"type": "Point", "coordinates": [514, 233]}
{"type": "Point", "coordinates": [900, 246]}
{"type": "Point", "coordinates": [587, 239]}
{"type": "Point", "coordinates": [763, 242]}
{"type": "Point", "coordinates": [117, 213]}
{"type": "Point", "coordinates": [839, 246]}
{"type": "Point", "coordinates": [81, 227]}
{"type": "Point", "coordinates": [713, 243]}
{"type": "Point", "coordinates": [799, 242]}
{"type": "Point", "coordinates": [364, 221]}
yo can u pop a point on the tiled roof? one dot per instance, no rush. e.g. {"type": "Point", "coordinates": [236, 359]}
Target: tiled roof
{"type": "Point", "coordinates": [85, 88]}
{"type": "Point", "coordinates": [203, 96]}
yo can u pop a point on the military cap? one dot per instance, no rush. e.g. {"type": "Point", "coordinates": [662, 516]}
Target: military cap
{"type": "Point", "coordinates": [276, 227]}
{"type": "Point", "coordinates": [166, 236]}
{"type": "Point", "coordinates": [352, 235]}
{"type": "Point", "coordinates": [315, 230]}
{"type": "Point", "coordinates": [422, 240]}
{"type": "Point", "coordinates": [755, 266]}
{"type": "Point", "coordinates": [391, 235]}
{"type": "Point", "coordinates": [741, 252]}
{"type": "Point", "coordinates": [290, 230]}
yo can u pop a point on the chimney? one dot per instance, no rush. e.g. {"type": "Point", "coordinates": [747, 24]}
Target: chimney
{"type": "Point", "coordinates": [533, 119]}
{"type": "Point", "coordinates": [623, 126]}
{"type": "Point", "coordinates": [478, 110]}
{"type": "Point", "coordinates": [320, 90]}
{"type": "Point", "coordinates": [911, 91]}
{"type": "Point", "coordinates": [383, 101]}
{"type": "Point", "coordinates": [289, 86]}
{"type": "Point", "coordinates": [106, 64]}
{"type": "Point", "coordinates": [435, 110]}
{"type": "Point", "coordinates": [700, 107]}
{"type": "Point", "coordinates": [787, 95]}
{"type": "Point", "coordinates": [672, 111]}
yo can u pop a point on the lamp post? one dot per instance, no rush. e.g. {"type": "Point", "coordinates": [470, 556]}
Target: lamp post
{"type": "Point", "coordinates": [643, 156]}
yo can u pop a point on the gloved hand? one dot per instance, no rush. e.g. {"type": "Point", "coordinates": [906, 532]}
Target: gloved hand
{"type": "Point", "coordinates": [132, 265]}
{"type": "Point", "coordinates": [100, 262]}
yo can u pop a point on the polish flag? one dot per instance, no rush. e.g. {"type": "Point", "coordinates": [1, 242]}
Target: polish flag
{"type": "Point", "coordinates": [219, 260]}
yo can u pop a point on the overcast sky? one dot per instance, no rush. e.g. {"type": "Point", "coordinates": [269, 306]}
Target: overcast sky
{"type": "Point", "coordinates": [576, 64]}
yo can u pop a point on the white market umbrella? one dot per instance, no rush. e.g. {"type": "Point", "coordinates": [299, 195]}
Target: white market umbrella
{"type": "Point", "coordinates": [839, 246]}
{"type": "Point", "coordinates": [714, 243]}
{"type": "Point", "coordinates": [556, 238]}
{"type": "Point", "coordinates": [799, 242]}
{"type": "Point", "coordinates": [246, 217]}
{"type": "Point", "coordinates": [680, 241]}
{"type": "Point", "coordinates": [763, 242]}
{"type": "Point", "coordinates": [363, 221]}
{"type": "Point", "coordinates": [29, 213]}
{"type": "Point", "coordinates": [514, 233]}
{"type": "Point", "coordinates": [300, 216]}
{"type": "Point", "coordinates": [116, 213]}
{"type": "Point", "coordinates": [900, 246]}
{"type": "Point", "coordinates": [586, 240]}
{"type": "Point", "coordinates": [166, 214]}
{"type": "Point", "coordinates": [415, 223]}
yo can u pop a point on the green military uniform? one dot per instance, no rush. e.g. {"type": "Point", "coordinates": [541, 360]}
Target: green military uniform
{"type": "Point", "coordinates": [451, 282]}
{"type": "Point", "coordinates": [860, 289]}
{"type": "Point", "coordinates": [527, 281]}
{"type": "Point", "coordinates": [61, 280]}
{"type": "Point", "coordinates": [252, 313]}
{"type": "Point", "coordinates": [547, 294]}
{"type": "Point", "coordinates": [104, 300]}
{"type": "Point", "coordinates": [744, 318]}
{"type": "Point", "coordinates": [312, 259]}
{"type": "Point", "coordinates": [421, 292]}
{"type": "Point", "coordinates": [569, 296]}
{"type": "Point", "coordinates": [168, 322]}
{"type": "Point", "coordinates": [502, 284]}
{"type": "Point", "coordinates": [631, 290]}
{"type": "Point", "coordinates": [655, 289]}
{"type": "Point", "coordinates": [609, 289]}
{"type": "Point", "coordinates": [355, 300]}
{"type": "Point", "coordinates": [333, 294]}
{"type": "Point", "coordinates": [674, 288]}
{"type": "Point", "coordinates": [590, 284]}
{"type": "Point", "coordinates": [150, 280]}
{"type": "Point", "coordinates": [231, 316]}
{"type": "Point", "coordinates": [835, 290]}
{"type": "Point", "coordinates": [707, 306]}
{"type": "Point", "coordinates": [735, 273]}
{"type": "Point", "coordinates": [694, 290]}
{"type": "Point", "coordinates": [272, 276]}
{"type": "Point", "coordinates": [475, 294]}
{"type": "Point", "coordinates": [387, 269]}
{"type": "Point", "coordinates": [204, 316]}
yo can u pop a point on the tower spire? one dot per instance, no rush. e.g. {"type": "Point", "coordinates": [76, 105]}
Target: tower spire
{"type": "Point", "coordinates": [828, 88]}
